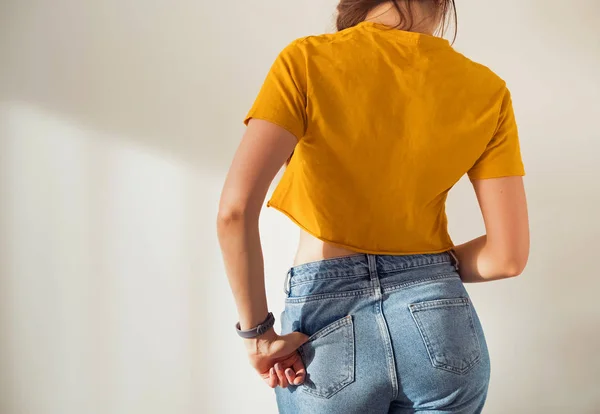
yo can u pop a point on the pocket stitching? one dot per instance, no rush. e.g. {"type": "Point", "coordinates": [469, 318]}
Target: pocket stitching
{"type": "Point", "coordinates": [434, 304]}
{"type": "Point", "coordinates": [327, 329]}
{"type": "Point", "coordinates": [349, 347]}
{"type": "Point", "coordinates": [439, 303]}
{"type": "Point", "coordinates": [404, 285]}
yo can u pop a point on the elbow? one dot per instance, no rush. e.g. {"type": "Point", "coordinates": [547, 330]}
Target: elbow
{"type": "Point", "coordinates": [513, 270]}
{"type": "Point", "coordinates": [234, 215]}
{"type": "Point", "coordinates": [230, 215]}
{"type": "Point", "coordinates": [508, 259]}
{"type": "Point", "coordinates": [513, 267]}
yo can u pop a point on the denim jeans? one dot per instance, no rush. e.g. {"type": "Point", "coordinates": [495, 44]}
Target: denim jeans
{"type": "Point", "coordinates": [387, 334]}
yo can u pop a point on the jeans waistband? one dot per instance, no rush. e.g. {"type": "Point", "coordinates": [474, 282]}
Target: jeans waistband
{"type": "Point", "coordinates": [364, 264]}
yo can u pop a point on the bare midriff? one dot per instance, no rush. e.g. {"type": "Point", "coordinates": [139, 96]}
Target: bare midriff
{"type": "Point", "coordinates": [311, 249]}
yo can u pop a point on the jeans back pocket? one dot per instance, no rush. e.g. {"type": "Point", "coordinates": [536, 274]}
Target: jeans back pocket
{"type": "Point", "coordinates": [328, 356]}
{"type": "Point", "coordinates": [448, 331]}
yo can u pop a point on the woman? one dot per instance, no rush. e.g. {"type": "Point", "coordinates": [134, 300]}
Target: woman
{"type": "Point", "coordinates": [376, 122]}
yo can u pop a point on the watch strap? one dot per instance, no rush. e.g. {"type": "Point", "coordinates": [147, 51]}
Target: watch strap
{"type": "Point", "coordinates": [259, 329]}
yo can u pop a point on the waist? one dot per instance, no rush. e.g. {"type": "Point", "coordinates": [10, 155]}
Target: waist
{"type": "Point", "coordinates": [354, 274]}
{"type": "Point", "coordinates": [312, 249]}
{"type": "Point", "coordinates": [376, 231]}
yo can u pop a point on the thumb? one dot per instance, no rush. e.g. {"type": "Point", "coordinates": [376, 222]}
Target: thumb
{"type": "Point", "coordinates": [295, 339]}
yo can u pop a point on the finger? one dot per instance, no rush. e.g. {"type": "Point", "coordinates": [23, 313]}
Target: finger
{"type": "Point", "coordinates": [283, 382]}
{"type": "Point", "coordinates": [290, 375]}
{"type": "Point", "coordinates": [300, 371]}
{"type": "Point", "coordinates": [272, 380]}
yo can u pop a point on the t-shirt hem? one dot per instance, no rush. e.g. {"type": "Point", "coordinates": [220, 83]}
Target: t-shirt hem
{"type": "Point", "coordinates": [497, 175]}
{"type": "Point", "coordinates": [275, 121]}
{"type": "Point", "coordinates": [351, 247]}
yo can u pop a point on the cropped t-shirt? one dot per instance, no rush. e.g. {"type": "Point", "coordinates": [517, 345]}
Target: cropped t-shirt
{"type": "Point", "coordinates": [387, 122]}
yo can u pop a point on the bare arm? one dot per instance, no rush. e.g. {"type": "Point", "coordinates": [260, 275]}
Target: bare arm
{"type": "Point", "coordinates": [263, 150]}
{"type": "Point", "coordinates": [504, 250]}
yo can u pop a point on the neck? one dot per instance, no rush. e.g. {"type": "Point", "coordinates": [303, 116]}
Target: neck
{"type": "Point", "coordinates": [423, 20]}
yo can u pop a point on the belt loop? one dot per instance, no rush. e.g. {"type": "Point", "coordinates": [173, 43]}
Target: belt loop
{"type": "Point", "coordinates": [456, 262]}
{"type": "Point", "coordinates": [372, 261]}
{"type": "Point", "coordinates": [287, 283]}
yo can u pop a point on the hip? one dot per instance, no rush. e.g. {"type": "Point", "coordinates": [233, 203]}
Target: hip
{"type": "Point", "coordinates": [399, 327]}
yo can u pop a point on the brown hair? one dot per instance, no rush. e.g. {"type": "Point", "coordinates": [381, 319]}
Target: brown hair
{"type": "Point", "coordinates": [352, 12]}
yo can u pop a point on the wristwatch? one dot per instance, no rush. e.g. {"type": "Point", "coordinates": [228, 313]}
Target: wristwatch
{"type": "Point", "coordinates": [259, 329]}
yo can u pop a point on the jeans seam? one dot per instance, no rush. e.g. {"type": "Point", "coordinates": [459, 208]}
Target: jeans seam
{"type": "Point", "coordinates": [301, 299]}
{"type": "Point", "coordinates": [385, 271]}
{"type": "Point", "coordinates": [314, 279]}
{"type": "Point", "coordinates": [417, 282]}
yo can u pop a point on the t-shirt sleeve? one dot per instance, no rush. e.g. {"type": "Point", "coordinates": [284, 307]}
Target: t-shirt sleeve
{"type": "Point", "coordinates": [502, 156]}
{"type": "Point", "coordinates": [282, 98]}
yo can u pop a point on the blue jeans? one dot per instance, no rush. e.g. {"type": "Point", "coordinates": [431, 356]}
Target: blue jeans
{"type": "Point", "coordinates": [388, 334]}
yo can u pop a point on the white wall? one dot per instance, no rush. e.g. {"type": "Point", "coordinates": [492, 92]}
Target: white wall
{"type": "Point", "coordinates": [118, 119]}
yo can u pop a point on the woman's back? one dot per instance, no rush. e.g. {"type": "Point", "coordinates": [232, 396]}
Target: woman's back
{"type": "Point", "coordinates": [381, 123]}
{"type": "Point", "coordinates": [387, 121]}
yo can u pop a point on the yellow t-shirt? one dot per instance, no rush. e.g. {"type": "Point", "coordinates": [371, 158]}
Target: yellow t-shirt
{"type": "Point", "coordinates": [387, 122]}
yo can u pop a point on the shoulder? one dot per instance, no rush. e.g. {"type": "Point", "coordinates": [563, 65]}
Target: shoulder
{"type": "Point", "coordinates": [483, 81]}
{"type": "Point", "coordinates": [313, 43]}
{"type": "Point", "coordinates": [482, 72]}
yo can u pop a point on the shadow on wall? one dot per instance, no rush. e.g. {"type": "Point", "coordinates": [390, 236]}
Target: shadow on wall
{"type": "Point", "coordinates": [175, 76]}
{"type": "Point", "coordinates": [118, 120]}
{"type": "Point", "coordinates": [138, 75]}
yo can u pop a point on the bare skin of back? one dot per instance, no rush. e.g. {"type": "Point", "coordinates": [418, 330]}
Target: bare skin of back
{"type": "Point", "coordinates": [311, 249]}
